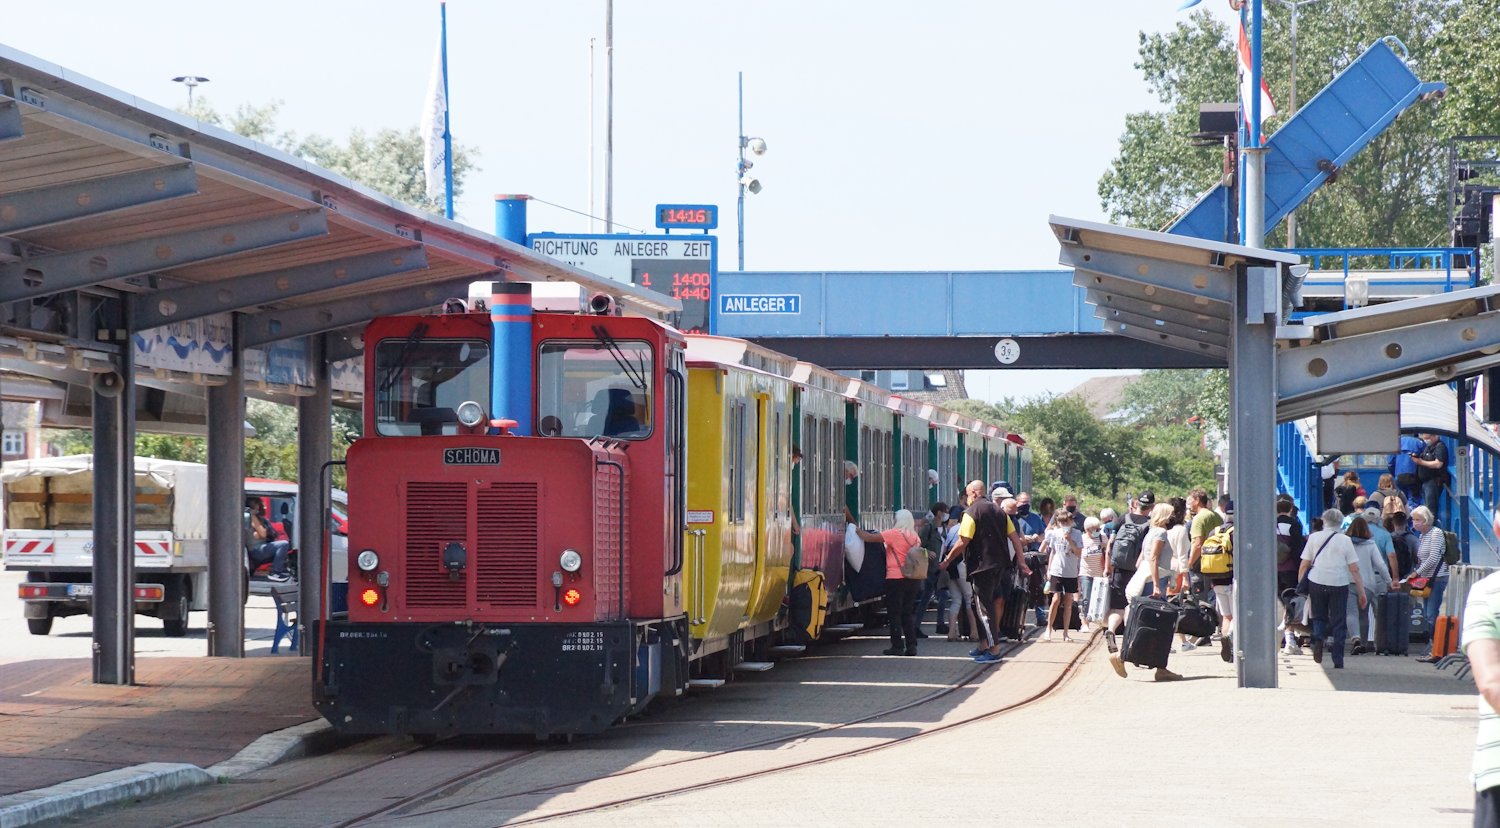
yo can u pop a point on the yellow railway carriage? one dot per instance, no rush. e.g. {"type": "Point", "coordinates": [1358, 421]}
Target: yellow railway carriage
{"type": "Point", "coordinates": [739, 492]}
{"type": "Point", "coordinates": [764, 537]}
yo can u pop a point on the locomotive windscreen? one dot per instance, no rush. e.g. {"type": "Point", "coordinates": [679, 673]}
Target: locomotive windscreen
{"type": "Point", "coordinates": [420, 383]}
{"type": "Point", "coordinates": [593, 389]}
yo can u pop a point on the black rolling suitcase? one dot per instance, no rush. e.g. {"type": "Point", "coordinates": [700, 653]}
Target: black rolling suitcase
{"type": "Point", "coordinates": [1392, 623]}
{"type": "Point", "coordinates": [1013, 623]}
{"type": "Point", "coordinates": [1075, 621]}
{"type": "Point", "coordinates": [1148, 633]}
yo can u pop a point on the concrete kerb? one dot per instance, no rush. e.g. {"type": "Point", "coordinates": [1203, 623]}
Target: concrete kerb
{"type": "Point", "coordinates": [155, 778]}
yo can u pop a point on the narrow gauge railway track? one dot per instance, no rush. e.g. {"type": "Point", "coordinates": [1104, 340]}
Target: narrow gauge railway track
{"type": "Point", "coordinates": [428, 793]}
{"type": "Point", "coordinates": [963, 681]}
{"type": "Point", "coordinates": [283, 794]}
{"type": "Point", "coordinates": [1068, 671]}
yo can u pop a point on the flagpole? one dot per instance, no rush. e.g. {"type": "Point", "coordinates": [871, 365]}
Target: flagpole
{"type": "Point", "coordinates": [447, 130]}
{"type": "Point", "coordinates": [1255, 153]}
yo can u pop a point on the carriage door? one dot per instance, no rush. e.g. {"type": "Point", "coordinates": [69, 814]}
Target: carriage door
{"type": "Point", "coordinates": [675, 397]}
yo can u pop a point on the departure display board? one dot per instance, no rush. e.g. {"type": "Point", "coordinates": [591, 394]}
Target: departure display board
{"type": "Point", "coordinates": [686, 280]}
{"type": "Point", "coordinates": [684, 267]}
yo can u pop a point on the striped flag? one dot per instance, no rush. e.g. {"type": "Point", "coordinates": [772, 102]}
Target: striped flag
{"type": "Point", "coordinates": [434, 129]}
{"type": "Point", "coordinates": [1267, 108]}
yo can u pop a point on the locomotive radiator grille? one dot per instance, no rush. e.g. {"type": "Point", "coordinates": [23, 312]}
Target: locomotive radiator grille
{"type": "Point", "coordinates": [436, 513]}
{"type": "Point", "coordinates": [507, 545]}
{"type": "Point", "coordinates": [609, 580]}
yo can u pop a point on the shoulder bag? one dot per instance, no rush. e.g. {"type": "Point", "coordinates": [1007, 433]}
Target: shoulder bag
{"type": "Point", "coordinates": [1304, 584]}
{"type": "Point", "coordinates": [914, 564]}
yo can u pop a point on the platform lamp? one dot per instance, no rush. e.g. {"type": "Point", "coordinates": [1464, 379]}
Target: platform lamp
{"type": "Point", "coordinates": [190, 81]}
{"type": "Point", "coordinates": [746, 181]}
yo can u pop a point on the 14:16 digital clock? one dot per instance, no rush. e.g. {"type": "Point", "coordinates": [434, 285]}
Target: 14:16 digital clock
{"type": "Point", "coordinates": [687, 216]}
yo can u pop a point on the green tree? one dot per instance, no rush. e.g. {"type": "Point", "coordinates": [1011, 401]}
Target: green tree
{"type": "Point", "coordinates": [1166, 395]}
{"type": "Point", "coordinates": [979, 410]}
{"type": "Point", "coordinates": [1466, 58]}
{"type": "Point", "coordinates": [1390, 194]}
{"type": "Point", "coordinates": [388, 161]}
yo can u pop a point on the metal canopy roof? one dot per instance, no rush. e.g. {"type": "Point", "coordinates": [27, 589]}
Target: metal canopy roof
{"type": "Point", "coordinates": [1171, 290]}
{"type": "Point", "coordinates": [1397, 346]}
{"type": "Point", "coordinates": [104, 192]}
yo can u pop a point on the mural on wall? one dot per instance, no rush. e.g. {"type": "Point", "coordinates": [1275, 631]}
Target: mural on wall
{"type": "Point", "coordinates": [201, 346]}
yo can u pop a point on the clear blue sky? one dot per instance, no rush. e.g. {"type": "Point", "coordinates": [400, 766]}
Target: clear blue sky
{"type": "Point", "coordinates": [902, 136]}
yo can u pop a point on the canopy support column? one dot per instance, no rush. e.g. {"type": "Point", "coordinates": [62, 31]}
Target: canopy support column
{"type": "Point", "coordinates": [314, 448]}
{"type": "Point", "coordinates": [227, 574]}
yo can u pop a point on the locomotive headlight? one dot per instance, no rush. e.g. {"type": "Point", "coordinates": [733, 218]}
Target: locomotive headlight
{"type": "Point", "coordinates": [367, 561]}
{"type": "Point", "coordinates": [570, 560]}
{"type": "Point", "coordinates": [470, 413]}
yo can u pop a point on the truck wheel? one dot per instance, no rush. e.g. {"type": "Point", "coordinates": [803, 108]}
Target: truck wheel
{"type": "Point", "coordinates": [176, 627]}
{"type": "Point", "coordinates": [39, 626]}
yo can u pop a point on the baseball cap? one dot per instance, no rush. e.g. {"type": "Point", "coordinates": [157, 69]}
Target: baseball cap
{"type": "Point", "coordinates": [1147, 498]}
{"type": "Point", "coordinates": [1371, 511]}
{"type": "Point", "coordinates": [1000, 492]}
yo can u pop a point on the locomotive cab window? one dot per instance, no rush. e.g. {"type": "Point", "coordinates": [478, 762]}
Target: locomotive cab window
{"type": "Point", "coordinates": [595, 389]}
{"type": "Point", "coordinates": [419, 384]}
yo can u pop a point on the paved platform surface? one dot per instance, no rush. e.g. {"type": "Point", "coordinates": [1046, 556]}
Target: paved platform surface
{"type": "Point", "coordinates": [1385, 741]}
{"type": "Point", "coordinates": [57, 725]}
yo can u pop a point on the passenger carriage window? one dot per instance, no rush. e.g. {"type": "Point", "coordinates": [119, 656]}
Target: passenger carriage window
{"type": "Point", "coordinates": [736, 438]}
{"type": "Point", "coordinates": [595, 389]}
{"type": "Point", "coordinates": [419, 383]}
{"type": "Point", "coordinates": [776, 461]}
{"type": "Point", "coordinates": [810, 466]}
{"type": "Point", "coordinates": [838, 453]}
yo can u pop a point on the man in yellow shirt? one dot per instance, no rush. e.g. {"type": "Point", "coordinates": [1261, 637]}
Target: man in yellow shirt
{"type": "Point", "coordinates": [992, 548]}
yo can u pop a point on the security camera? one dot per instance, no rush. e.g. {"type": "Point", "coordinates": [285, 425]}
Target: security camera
{"type": "Point", "coordinates": [758, 146]}
{"type": "Point", "coordinates": [750, 183]}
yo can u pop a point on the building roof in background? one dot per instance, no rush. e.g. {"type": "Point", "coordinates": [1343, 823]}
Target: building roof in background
{"type": "Point", "coordinates": [952, 389]}
{"type": "Point", "coordinates": [1103, 395]}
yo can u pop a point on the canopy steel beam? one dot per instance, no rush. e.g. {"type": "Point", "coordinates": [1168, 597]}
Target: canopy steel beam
{"type": "Point", "coordinates": [1203, 285]}
{"type": "Point", "coordinates": [1476, 362]}
{"type": "Point", "coordinates": [240, 292]}
{"type": "Point", "coordinates": [1323, 369]}
{"type": "Point", "coordinates": [58, 272]}
{"type": "Point", "coordinates": [1099, 282]}
{"type": "Point", "coordinates": [10, 120]}
{"type": "Point", "coordinates": [31, 209]}
{"type": "Point", "coordinates": [1215, 354]}
{"type": "Point", "coordinates": [1154, 325]}
{"type": "Point", "coordinates": [1156, 310]}
{"type": "Point", "coordinates": [273, 326]}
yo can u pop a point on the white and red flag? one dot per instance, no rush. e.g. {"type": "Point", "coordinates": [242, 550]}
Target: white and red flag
{"type": "Point", "coordinates": [1267, 107]}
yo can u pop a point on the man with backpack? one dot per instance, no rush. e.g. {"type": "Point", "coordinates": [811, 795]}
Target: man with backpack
{"type": "Point", "coordinates": [1404, 469]}
{"type": "Point", "coordinates": [1120, 562]}
{"type": "Point", "coordinates": [1205, 522]}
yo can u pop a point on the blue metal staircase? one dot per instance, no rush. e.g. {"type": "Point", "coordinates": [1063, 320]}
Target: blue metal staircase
{"type": "Point", "coordinates": [1320, 138]}
{"type": "Point", "coordinates": [1298, 475]}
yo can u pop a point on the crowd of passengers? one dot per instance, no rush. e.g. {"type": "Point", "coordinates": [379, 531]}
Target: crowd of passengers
{"type": "Point", "coordinates": [994, 556]}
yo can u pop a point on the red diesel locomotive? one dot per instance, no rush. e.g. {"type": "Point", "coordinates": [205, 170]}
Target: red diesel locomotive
{"type": "Point", "coordinates": [527, 551]}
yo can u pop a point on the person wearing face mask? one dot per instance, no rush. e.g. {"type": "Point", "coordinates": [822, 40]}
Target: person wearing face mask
{"type": "Point", "coordinates": [1033, 528]}
{"type": "Point", "coordinates": [1092, 572]}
